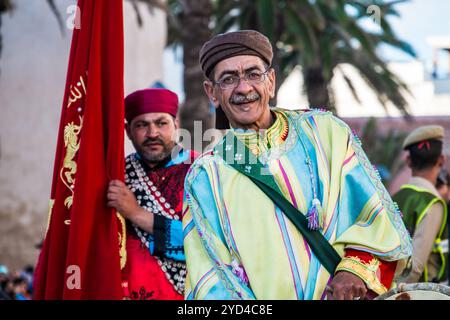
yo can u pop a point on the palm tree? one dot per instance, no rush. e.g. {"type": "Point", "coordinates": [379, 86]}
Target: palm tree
{"type": "Point", "coordinates": [319, 35]}
{"type": "Point", "coordinates": [189, 27]}
{"type": "Point", "coordinates": [266, 16]}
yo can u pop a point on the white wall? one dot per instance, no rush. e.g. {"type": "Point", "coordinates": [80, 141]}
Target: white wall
{"type": "Point", "coordinates": [422, 102]}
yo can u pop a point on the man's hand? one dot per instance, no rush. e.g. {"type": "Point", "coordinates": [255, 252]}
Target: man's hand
{"type": "Point", "coordinates": [123, 200]}
{"type": "Point", "coordinates": [346, 286]}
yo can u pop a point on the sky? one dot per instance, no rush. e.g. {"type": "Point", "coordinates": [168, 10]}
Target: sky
{"type": "Point", "coordinates": [418, 20]}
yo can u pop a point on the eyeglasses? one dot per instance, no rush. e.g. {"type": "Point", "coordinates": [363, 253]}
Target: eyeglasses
{"type": "Point", "coordinates": [232, 81]}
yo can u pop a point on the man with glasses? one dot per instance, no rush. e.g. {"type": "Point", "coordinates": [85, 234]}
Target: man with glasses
{"type": "Point", "coordinates": [286, 206]}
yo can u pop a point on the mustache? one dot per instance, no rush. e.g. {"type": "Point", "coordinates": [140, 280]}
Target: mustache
{"type": "Point", "coordinates": [241, 98]}
{"type": "Point", "coordinates": [149, 141]}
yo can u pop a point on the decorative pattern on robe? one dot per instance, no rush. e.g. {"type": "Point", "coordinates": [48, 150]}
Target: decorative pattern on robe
{"type": "Point", "coordinates": [156, 264]}
{"type": "Point", "coordinates": [239, 245]}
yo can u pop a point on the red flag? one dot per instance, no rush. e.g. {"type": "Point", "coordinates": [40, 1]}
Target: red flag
{"type": "Point", "coordinates": [82, 253]}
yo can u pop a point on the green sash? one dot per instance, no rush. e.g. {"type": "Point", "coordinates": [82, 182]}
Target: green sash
{"type": "Point", "coordinates": [238, 156]}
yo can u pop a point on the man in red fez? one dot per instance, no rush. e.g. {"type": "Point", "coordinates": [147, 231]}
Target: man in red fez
{"type": "Point", "coordinates": [151, 197]}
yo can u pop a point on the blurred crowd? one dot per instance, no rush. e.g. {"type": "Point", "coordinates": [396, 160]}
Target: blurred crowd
{"type": "Point", "coordinates": [443, 185]}
{"type": "Point", "coordinates": [16, 285]}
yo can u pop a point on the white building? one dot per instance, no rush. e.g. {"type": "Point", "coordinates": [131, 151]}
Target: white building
{"type": "Point", "coordinates": [430, 97]}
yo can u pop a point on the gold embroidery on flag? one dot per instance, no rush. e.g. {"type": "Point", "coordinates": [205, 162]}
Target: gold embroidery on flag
{"type": "Point", "coordinates": [72, 144]}
{"type": "Point", "coordinates": [122, 242]}
{"type": "Point", "coordinates": [75, 93]}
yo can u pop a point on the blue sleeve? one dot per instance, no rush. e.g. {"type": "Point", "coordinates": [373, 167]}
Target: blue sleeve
{"type": "Point", "coordinates": [167, 239]}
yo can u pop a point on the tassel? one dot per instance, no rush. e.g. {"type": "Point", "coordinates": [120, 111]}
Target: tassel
{"type": "Point", "coordinates": [315, 215]}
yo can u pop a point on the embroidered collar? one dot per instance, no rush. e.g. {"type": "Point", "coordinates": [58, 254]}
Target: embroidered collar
{"type": "Point", "coordinates": [263, 141]}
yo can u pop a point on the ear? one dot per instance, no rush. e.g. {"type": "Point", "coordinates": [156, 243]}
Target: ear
{"type": "Point", "coordinates": [441, 161]}
{"type": "Point", "coordinates": [209, 89]}
{"type": "Point", "coordinates": [177, 123]}
{"type": "Point", "coordinates": [272, 82]}
{"type": "Point", "coordinates": [408, 161]}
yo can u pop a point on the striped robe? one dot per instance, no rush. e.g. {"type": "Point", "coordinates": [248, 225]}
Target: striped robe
{"type": "Point", "coordinates": [240, 245]}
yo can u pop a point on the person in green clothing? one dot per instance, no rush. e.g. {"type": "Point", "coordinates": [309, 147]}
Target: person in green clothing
{"type": "Point", "coordinates": [424, 211]}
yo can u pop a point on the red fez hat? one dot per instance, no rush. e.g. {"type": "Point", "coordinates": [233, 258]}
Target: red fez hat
{"type": "Point", "coordinates": [150, 100]}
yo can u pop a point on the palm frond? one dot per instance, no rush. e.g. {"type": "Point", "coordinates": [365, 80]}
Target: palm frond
{"type": "Point", "coordinates": [266, 17]}
{"type": "Point", "coordinates": [57, 14]}
{"type": "Point", "coordinates": [349, 83]}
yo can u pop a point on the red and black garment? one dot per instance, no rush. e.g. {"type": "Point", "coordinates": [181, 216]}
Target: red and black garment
{"type": "Point", "coordinates": [156, 266]}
